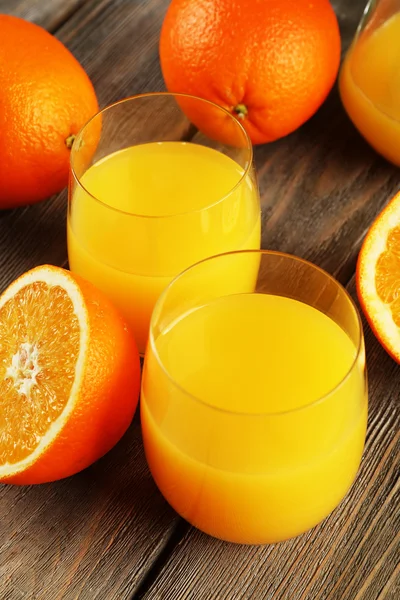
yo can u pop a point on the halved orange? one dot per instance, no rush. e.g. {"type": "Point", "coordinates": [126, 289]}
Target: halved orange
{"type": "Point", "coordinates": [378, 277]}
{"type": "Point", "coordinates": [69, 376]}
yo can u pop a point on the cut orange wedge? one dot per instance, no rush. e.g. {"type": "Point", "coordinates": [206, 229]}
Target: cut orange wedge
{"type": "Point", "coordinates": [69, 376]}
{"type": "Point", "coordinates": [378, 277]}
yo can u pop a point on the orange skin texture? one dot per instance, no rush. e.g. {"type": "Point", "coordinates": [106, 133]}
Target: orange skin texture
{"type": "Point", "coordinates": [107, 398]}
{"type": "Point", "coordinates": [45, 97]}
{"type": "Point", "coordinates": [279, 58]}
{"type": "Point", "coordinates": [364, 272]}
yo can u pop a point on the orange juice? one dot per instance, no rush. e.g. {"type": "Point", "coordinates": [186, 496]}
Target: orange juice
{"type": "Point", "coordinates": [370, 86]}
{"type": "Point", "coordinates": [243, 434]}
{"type": "Point", "coordinates": [145, 213]}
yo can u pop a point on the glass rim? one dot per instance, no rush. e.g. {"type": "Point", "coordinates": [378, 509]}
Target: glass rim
{"type": "Point", "coordinates": [204, 403]}
{"type": "Point", "coordinates": [152, 95]}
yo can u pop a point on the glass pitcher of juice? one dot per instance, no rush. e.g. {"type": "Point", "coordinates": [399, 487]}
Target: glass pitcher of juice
{"type": "Point", "coordinates": [370, 78]}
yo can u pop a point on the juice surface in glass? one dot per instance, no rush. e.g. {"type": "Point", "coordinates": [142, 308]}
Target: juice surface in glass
{"type": "Point", "coordinates": [174, 204]}
{"type": "Point", "coordinates": [234, 434]}
{"type": "Point", "coordinates": [370, 85]}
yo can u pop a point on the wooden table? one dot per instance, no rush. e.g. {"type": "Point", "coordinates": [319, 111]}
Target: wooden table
{"type": "Point", "coordinates": [107, 533]}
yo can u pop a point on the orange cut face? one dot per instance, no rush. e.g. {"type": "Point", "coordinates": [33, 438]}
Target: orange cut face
{"type": "Point", "coordinates": [40, 338]}
{"type": "Point", "coordinates": [69, 376]}
{"type": "Point", "coordinates": [378, 277]}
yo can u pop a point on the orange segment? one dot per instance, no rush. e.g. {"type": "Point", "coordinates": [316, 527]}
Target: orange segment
{"type": "Point", "coordinates": [67, 362]}
{"type": "Point", "coordinates": [387, 277]}
{"type": "Point", "coordinates": [378, 277]}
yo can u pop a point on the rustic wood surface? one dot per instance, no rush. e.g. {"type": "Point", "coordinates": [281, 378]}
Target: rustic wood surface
{"type": "Point", "coordinates": [107, 533]}
{"type": "Point", "coordinates": [49, 14]}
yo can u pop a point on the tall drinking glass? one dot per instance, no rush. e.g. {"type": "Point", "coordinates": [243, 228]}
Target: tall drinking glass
{"type": "Point", "coordinates": [254, 395]}
{"type": "Point", "coordinates": [370, 78]}
{"type": "Point", "coordinates": [145, 203]}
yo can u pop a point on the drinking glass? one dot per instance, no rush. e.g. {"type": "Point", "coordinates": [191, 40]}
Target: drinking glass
{"type": "Point", "coordinates": [370, 78]}
{"type": "Point", "coordinates": [150, 194]}
{"type": "Point", "coordinates": [254, 395]}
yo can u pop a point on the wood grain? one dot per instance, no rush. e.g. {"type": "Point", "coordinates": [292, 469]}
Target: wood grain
{"type": "Point", "coordinates": [353, 555]}
{"type": "Point", "coordinates": [107, 533]}
{"type": "Point", "coordinates": [91, 536]}
{"type": "Point", "coordinates": [47, 13]}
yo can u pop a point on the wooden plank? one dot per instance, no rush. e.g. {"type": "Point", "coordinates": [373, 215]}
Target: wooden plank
{"type": "Point", "coordinates": [352, 555]}
{"type": "Point", "coordinates": [321, 188]}
{"type": "Point", "coordinates": [91, 536]}
{"type": "Point", "coordinates": [49, 14]}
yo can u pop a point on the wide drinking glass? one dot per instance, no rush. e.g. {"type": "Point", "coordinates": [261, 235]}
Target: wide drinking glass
{"type": "Point", "coordinates": [144, 204]}
{"type": "Point", "coordinates": [370, 78]}
{"type": "Point", "coordinates": [254, 395]}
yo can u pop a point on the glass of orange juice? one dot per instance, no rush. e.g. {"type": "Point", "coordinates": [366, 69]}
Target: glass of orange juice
{"type": "Point", "coordinates": [254, 401]}
{"type": "Point", "coordinates": [370, 78]}
{"type": "Point", "coordinates": [145, 203]}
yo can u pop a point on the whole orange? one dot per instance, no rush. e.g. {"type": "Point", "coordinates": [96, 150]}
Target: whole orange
{"type": "Point", "coordinates": [45, 98]}
{"type": "Point", "coordinates": [270, 62]}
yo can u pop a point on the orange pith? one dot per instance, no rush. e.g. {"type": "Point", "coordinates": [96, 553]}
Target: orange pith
{"type": "Point", "coordinates": [378, 277]}
{"type": "Point", "coordinates": [69, 376]}
{"type": "Point", "coordinates": [35, 380]}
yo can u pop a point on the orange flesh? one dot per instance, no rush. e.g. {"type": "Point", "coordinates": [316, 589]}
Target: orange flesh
{"type": "Point", "coordinates": [387, 274]}
{"type": "Point", "coordinates": [40, 338]}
